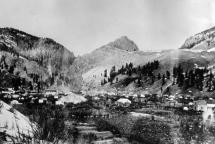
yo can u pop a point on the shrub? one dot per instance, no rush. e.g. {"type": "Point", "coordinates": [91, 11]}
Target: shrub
{"type": "Point", "coordinates": [80, 112]}
{"type": "Point", "coordinates": [1, 106]}
{"type": "Point", "coordinates": [103, 125]}
{"type": "Point", "coordinates": [191, 128]}
{"type": "Point", "coordinates": [90, 137]}
{"type": "Point", "coordinates": [3, 137]}
{"type": "Point", "coordinates": [50, 119]}
{"type": "Point", "coordinates": [12, 110]}
{"type": "Point", "coordinates": [151, 132]}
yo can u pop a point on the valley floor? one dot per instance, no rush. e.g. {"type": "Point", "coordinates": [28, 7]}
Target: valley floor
{"type": "Point", "coordinates": [111, 119]}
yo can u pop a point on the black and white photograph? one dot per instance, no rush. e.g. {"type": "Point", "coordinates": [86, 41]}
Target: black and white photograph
{"type": "Point", "coordinates": [107, 72]}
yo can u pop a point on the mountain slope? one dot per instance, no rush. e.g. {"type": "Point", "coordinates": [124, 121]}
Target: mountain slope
{"type": "Point", "coordinates": [57, 67]}
{"type": "Point", "coordinates": [204, 41]}
{"type": "Point", "coordinates": [92, 65]}
{"type": "Point", "coordinates": [42, 50]}
{"type": "Point", "coordinates": [31, 55]}
{"type": "Point", "coordinates": [116, 53]}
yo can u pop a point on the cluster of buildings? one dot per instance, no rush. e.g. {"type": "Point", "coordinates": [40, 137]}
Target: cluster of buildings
{"type": "Point", "coordinates": [182, 102]}
{"type": "Point", "coordinates": [107, 106]}
{"type": "Point", "coordinates": [106, 103]}
{"type": "Point", "coordinates": [23, 97]}
{"type": "Point", "coordinates": [188, 102]}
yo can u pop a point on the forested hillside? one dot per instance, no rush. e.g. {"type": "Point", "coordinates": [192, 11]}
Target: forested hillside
{"type": "Point", "coordinates": [41, 62]}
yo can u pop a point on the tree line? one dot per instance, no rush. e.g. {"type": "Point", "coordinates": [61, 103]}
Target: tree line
{"type": "Point", "coordinates": [10, 77]}
{"type": "Point", "coordinates": [194, 78]}
{"type": "Point", "coordinates": [129, 69]}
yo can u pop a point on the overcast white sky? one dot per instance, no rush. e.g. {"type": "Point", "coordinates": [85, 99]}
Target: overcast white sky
{"type": "Point", "coordinates": [84, 25]}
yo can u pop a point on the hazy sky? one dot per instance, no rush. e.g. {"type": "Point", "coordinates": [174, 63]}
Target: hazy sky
{"type": "Point", "coordinates": [84, 25]}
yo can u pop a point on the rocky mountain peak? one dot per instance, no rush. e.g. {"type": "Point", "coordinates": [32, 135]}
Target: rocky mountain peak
{"type": "Point", "coordinates": [124, 43]}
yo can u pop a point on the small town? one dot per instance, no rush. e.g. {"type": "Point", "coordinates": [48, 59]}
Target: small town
{"type": "Point", "coordinates": [87, 110]}
{"type": "Point", "coordinates": [107, 72]}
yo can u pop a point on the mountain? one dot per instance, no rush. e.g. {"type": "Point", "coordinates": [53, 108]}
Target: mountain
{"type": "Point", "coordinates": [36, 58]}
{"type": "Point", "coordinates": [42, 50]}
{"type": "Point", "coordinates": [116, 53]}
{"type": "Point", "coordinates": [124, 43]}
{"type": "Point", "coordinates": [203, 41]}
{"type": "Point", "coordinates": [121, 51]}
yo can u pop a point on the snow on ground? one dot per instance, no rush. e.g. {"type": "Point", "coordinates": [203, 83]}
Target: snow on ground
{"type": "Point", "coordinates": [200, 50]}
{"type": "Point", "coordinates": [13, 122]}
{"type": "Point", "coordinates": [193, 50]}
{"type": "Point", "coordinates": [21, 57]}
{"type": "Point", "coordinates": [158, 54]}
{"type": "Point", "coordinates": [211, 50]}
{"type": "Point", "coordinates": [211, 66]}
{"type": "Point", "coordinates": [22, 35]}
{"type": "Point", "coordinates": [73, 98]}
{"type": "Point", "coordinates": [124, 100]}
{"type": "Point", "coordinates": [137, 114]}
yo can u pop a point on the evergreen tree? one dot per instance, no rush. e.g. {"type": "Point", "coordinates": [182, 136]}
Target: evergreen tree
{"type": "Point", "coordinates": [105, 81]}
{"type": "Point", "coordinates": [186, 83]}
{"type": "Point", "coordinates": [175, 72]}
{"type": "Point", "coordinates": [163, 80]}
{"type": "Point", "coordinates": [117, 79]}
{"type": "Point", "coordinates": [139, 81]}
{"type": "Point", "coordinates": [130, 65]}
{"type": "Point", "coordinates": [191, 78]}
{"type": "Point", "coordinates": [180, 80]}
{"type": "Point", "coordinates": [112, 74]}
{"type": "Point", "coordinates": [159, 76]}
{"type": "Point", "coordinates": [105, 73]}
{"type": "Point", "coordinates": [11, 69]}
{"type": "Point", "coordinates": [153, 79]}
{"type": "Point", "coordinates": [168, 74]}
